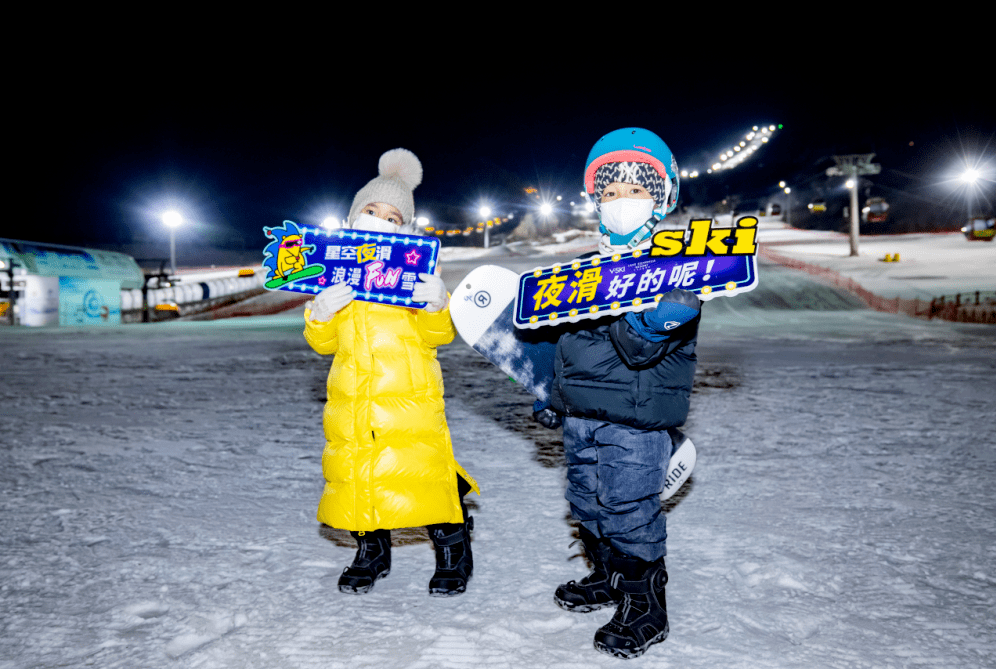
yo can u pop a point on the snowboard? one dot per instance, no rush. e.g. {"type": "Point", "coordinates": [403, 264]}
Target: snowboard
{"type": "Point", "coordinates": [482, 308]}
{"type": "Point", "coordinates": [306, 273]}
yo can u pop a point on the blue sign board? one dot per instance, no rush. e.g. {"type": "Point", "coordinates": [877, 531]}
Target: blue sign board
{"type": "Point", "coordinates": [381, 267]}
{"type": "Point", "coordinates": [605, 285]}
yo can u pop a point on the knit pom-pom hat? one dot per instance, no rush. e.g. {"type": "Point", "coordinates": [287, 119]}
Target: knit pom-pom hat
{"type": "Point", "coordinates": [399, 172]}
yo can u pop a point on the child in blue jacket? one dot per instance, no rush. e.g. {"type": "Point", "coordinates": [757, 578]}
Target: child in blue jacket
{"type": "Point", "coordinates": [620, 385]}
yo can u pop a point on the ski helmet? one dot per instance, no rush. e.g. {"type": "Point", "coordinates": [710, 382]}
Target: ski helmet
{"type": "Point", "coordinates": [635, 145]}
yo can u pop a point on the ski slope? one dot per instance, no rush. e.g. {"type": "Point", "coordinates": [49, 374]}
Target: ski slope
{"type": "Point", "coordinates": [159, 486]}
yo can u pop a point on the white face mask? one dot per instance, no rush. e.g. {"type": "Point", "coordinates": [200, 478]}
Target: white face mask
{"type": "Point", "coordinates": [626, 214]}
{"type": "Point", "coordinates": [374, 224]}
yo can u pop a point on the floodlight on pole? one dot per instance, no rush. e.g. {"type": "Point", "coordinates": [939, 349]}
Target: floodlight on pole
{"type": "Point", "coordinates": [172, 220]}
{"type": "Point", "coordinates": [970, 176]}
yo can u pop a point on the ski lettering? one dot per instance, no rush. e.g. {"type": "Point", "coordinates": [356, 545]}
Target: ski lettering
{"type": "Point", "coordinates": [739, 241]}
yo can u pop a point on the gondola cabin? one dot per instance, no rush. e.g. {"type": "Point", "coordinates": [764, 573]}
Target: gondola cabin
{"type": "Point", "coordinates": [876, 210]}
{"type": "Point", "coordinates": [980, 229]}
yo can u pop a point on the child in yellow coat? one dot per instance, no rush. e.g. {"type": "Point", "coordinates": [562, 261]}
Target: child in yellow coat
{"type": "Point", "coordinates": [388, 459]}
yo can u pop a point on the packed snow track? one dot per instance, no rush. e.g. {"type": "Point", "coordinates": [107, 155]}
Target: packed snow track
{"type": "Point", "coordinates": [159, 486]}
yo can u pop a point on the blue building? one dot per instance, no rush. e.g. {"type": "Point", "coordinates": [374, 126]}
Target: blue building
{"type": "Point", "coordinates": [50, 284]}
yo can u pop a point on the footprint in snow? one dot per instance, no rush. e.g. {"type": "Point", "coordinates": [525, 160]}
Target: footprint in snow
{"type": "Point", "coordinates": [147, 610]}
{"type": "Point", "coordinates": [211, 628]}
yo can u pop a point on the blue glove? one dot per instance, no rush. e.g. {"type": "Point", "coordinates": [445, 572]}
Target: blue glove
{"type": "Point", "coordinates": [676, 308]}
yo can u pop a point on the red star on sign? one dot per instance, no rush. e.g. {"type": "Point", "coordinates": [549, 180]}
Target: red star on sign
{"type": "Point", "coordinates": [412, 257]}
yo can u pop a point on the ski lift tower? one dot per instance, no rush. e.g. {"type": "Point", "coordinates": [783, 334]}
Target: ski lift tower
{"type": "Point", "coordinates": [853, 166]}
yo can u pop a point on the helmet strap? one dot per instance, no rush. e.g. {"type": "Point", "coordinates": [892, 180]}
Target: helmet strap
{"type": "Point", "coordinates": [642, 233]}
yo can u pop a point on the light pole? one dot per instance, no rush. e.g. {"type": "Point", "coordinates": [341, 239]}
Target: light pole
{"type": "Point", "coordinates": [969, 177]}
{"type": "Point", "coordinates": [788, 202]}
{"type": "Point", "coordinates": [854, 166]}
{"type": "Point", "coordinates": [172, 220]}
{"type": "Point", "coordinates": [485, 212]}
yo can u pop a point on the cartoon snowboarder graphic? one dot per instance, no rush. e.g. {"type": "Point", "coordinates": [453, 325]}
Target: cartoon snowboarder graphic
{"type": "Point", "coordinates": [289, 258]}
{"type": "Point", "coordinates": [285, 256]}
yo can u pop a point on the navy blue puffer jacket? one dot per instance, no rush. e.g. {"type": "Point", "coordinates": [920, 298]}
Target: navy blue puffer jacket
{"type": "Point", "coordinates": [611, 373]}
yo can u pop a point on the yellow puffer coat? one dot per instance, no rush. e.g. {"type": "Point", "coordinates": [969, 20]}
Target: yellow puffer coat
{"type": "Point", "coordinates": [388, 460]}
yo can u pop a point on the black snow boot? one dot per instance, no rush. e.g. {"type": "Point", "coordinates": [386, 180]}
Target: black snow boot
{"type": "Point", "coordinates": [594, 590]}
{"type": "Point", "coordinates": [454, 559]}
{"type": "Point", "coordinates": [372, 562]}
{"type": "Point", "coordinates": [641, 619]}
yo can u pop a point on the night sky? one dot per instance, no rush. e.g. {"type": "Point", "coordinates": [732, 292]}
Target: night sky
{"type": "Point", "coordinates": [237, 144]}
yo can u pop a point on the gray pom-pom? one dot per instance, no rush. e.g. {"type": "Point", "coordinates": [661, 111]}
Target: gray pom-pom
{"type": "Point", "coordinates": [401, 164]}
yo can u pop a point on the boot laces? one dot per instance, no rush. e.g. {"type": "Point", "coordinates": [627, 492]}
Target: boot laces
{"type": "Point", "coordinates": [594, 578]}
{"type": "Point", "coordinates": [633, 607]}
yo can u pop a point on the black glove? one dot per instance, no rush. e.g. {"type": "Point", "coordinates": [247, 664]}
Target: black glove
{"type": "Point", "coordinates": [547, 418]}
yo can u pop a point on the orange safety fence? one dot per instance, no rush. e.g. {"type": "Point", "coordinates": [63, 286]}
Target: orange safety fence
{"type": "Point", "coordinates": [973, 307]}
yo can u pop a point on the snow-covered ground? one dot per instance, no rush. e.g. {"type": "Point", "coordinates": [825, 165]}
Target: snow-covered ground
{"type": "Point", "coordinates": [159, 486]}
{"type": "Point", "coordinates": [929, 265]}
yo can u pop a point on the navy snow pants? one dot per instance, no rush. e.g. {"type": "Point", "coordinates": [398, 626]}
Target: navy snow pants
{"type": "Point", "coordinates": [615, 476]}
